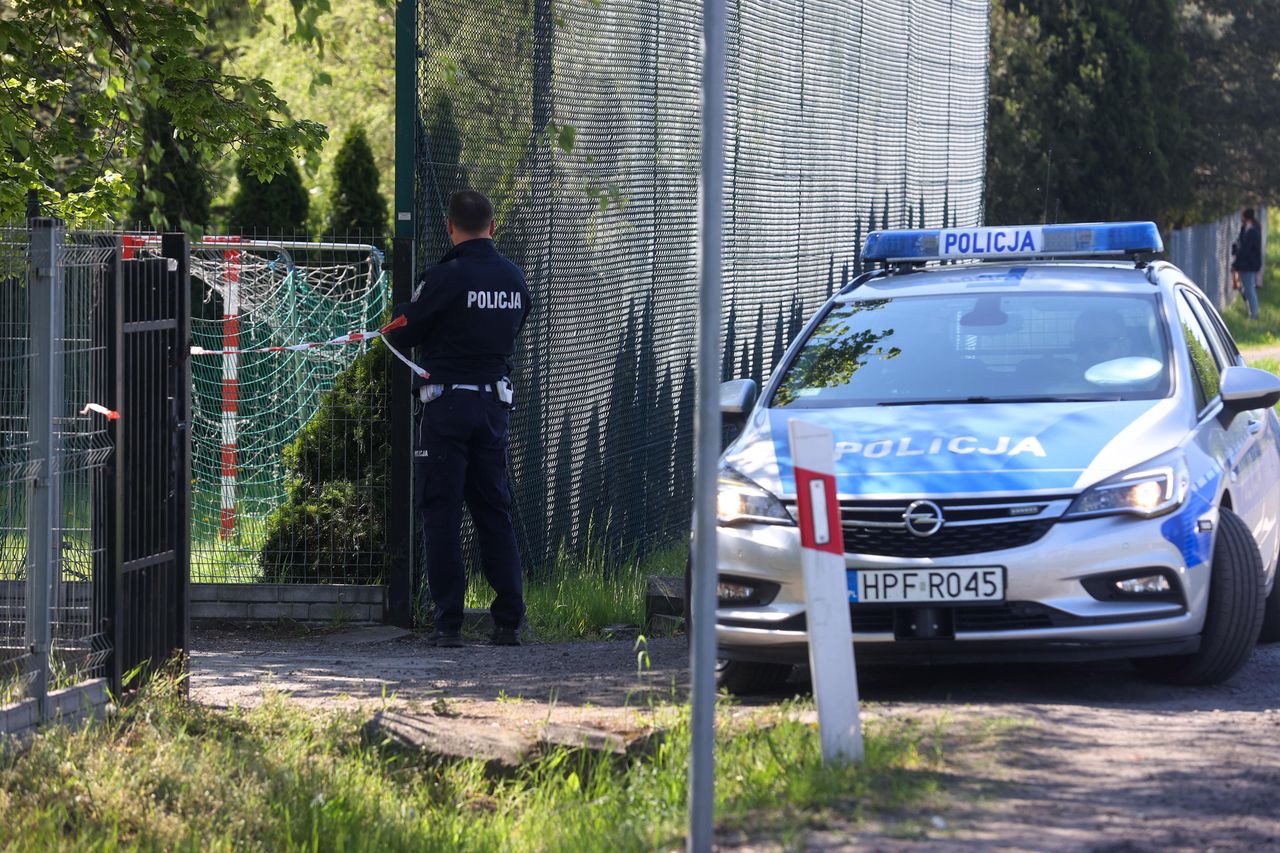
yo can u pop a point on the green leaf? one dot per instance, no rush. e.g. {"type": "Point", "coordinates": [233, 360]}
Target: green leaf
{"type": "Point", "coordinates": [566, 137]}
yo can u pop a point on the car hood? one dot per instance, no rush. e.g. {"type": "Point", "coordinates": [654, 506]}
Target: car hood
{"type": "Point", "coordinates": [964, 448]}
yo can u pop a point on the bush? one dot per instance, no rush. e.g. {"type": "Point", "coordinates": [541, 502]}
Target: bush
{"type": "Point", "coordinates": [278, 206]}
{"type": "Point", "coordinates": [173, 183]}
{"type": "Point", "coordinates": [358, 207]}
{"type": "Point", "coordinates": [330, 529]}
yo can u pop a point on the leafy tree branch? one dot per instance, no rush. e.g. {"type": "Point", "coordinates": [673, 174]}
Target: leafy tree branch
{"type": "Point", "coordinates": [77, 76]}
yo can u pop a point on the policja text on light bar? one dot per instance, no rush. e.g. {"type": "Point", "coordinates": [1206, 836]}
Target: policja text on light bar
{"type": "Point", "coordinates": [1014, 241]}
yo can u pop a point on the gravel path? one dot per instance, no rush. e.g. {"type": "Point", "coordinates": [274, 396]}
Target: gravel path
{"type": "Point", "coordinates": [1252, 354]}
{"type": "Point", "coordinates": [1109, 762]}
{"type": "Point", "coordinates": [1093, 758]}
{"type": "Point", "coordinates": [595, 682]}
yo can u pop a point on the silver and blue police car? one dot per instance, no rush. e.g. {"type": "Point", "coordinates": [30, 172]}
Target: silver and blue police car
{"type": "Point", "coordinates": [1038, 456]}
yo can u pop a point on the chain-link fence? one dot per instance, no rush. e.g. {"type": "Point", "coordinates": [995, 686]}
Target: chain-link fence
{"type": "Point", "coordinates": [53, 461]}
{"type": "Point", "coordinates": [580, 119]}
{"type": "Point", "coordinates": [1203, 252]}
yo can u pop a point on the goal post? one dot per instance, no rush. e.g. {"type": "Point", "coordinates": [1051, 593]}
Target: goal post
{"type": "Point", "coordinates": [250, 294]}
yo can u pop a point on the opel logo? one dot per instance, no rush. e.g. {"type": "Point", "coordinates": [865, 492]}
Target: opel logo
{"type": "Point", "coordinates": [923, 518]}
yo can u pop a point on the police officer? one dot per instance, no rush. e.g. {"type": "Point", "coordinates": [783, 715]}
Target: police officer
{"type": "Point", "coordinates": [465, 316]}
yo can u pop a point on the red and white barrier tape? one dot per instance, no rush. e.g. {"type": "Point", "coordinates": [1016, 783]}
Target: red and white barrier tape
{"type": "Point", "coordinates": [102, 410]}
{"type": "Point", "coordinates": [349, 338]}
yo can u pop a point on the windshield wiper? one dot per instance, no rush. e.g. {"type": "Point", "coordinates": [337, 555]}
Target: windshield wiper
{"type": "Point", "coordinates": [1039, 399]}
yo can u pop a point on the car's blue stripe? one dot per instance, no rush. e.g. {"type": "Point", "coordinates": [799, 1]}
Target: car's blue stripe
{"type": "Point", "coordinates": [1182, 528]}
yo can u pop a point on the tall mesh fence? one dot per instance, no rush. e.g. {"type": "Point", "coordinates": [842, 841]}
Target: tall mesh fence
{"type": "Point", "coordinates": [580, 119]}
{"type": "Point", "coordinates": [16, 454]}
{"type": "Point", "coordinates": [84, 451]}
{"type": "Point", "coordinates": [1203, 252]}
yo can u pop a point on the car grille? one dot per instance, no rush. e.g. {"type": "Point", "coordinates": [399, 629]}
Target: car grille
{"type": "Point", "coordinates": [1009, 617]}
{"type": "Point", "coordinates": [970, 526]}
{"type": "Point", "coordinates": [1012, 616]}
{"type": "Point", "coordinates": [947, 542]}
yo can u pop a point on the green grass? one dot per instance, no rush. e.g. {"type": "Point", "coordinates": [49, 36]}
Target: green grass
{"type": "Point", "coordinates": [1265, 331]}
{"type": "Point", "coordinates": [234, 560]}
{"type": "Point", "coordinates": [12, 688]}
{"type": "Point", "coordinates": [168, 774]}
{"type": "Point", "coordinates": [63, 672]}
{"type": "Point", "coordinates": [587, 593]}
{"type": "Point", "coordinates": [1269, 364]}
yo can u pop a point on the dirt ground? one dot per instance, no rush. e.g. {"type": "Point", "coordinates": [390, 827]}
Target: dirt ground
{"type": "Point", "coordinates": [1095, 759]}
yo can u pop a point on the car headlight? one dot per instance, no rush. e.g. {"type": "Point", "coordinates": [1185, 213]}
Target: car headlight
{"type": "Point", "coordinates": [1147, 490]}
{"type": "Point", "coordinates": [738, 501]}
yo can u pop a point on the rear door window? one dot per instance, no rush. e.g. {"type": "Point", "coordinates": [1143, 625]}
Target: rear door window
{"type": "Point", "coordinates": [1221, 337]}
{"type": "Point", "coordinates": [1204, 363]}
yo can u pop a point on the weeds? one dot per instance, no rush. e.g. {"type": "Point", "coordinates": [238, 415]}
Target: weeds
{"type": "Point", "coordinates": [63, 672]}
{"type": "Point", "coordinates": [168, 774]}
{"type": "Point", "coordinates": [13, 688]}
{"type": "Point", "coordinates": [588, 593]}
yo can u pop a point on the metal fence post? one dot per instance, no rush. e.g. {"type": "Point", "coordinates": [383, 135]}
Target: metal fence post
{"type": "Point", "coordinates": [401, 589]}
{"type": "Point", "coordinates": [406, 117]}
{"type": "Point", "coordinates": [177, 249]}
{"type": "Point", "coordinates": [702, 646]}
{"type": "Point", "coordinates": [108, 500]}
{"type": "Point", "coordinates": [44, 405]}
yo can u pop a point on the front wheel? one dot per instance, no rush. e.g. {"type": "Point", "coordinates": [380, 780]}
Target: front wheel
{"type": "Point", "coordinates": [1233, 618]}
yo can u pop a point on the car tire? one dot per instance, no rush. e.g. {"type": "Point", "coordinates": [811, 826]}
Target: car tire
{"type": "Point", "coordinates": [1233, 618]}
{"type": "Point", "coordinates": [1271, 613]}
{"type": "Point", "coordinates": [740, 678]}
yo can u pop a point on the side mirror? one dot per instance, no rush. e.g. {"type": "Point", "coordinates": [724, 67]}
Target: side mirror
{"type": "Point", "coordinates": [737, 397]}
{"type": "Point", "coordinates": [1244, 388]}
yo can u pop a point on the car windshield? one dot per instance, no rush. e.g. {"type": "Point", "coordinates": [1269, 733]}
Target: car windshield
{"type": "Point", "coordinates": [979, 348]}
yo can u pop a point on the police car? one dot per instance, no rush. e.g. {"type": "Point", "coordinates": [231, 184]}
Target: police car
{"type": "Point", "coordinates": [1040, 456]}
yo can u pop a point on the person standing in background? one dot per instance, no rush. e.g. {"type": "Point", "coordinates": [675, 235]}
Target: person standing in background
{"type": "Point", "coordinates": [1248, 258]}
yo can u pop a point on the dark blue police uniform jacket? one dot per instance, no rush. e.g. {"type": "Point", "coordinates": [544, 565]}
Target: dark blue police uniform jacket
{"type": "Point", "coordinates": [465, 316]}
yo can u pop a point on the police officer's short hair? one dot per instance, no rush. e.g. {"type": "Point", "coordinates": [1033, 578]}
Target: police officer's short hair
{"type": "Point", "coordinates": [470, 211]}
{"type": "Point", "coordinates": [1249, 213]}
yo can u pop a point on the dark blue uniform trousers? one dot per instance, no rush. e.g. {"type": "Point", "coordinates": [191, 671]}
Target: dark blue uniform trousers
{"type": "Point", "coordinates": [461, 455]}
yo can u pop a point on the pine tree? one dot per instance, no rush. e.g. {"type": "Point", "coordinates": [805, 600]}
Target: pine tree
{"type": "Point", "coordinates": [278, 206]}
{"type": "Point", "coordinates": [1085, 118]}
{"type": "Point", "coordinates": [358, 207]}
{"type": "Point", "coordinates": [173, 187]}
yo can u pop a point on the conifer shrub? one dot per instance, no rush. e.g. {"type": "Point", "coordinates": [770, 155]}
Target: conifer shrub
{"type": "Point", "coordinates": [331, 526]}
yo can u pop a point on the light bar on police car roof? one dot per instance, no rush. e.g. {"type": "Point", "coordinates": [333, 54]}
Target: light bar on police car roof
{"type": "Point", "coordinates": [1014, 241]}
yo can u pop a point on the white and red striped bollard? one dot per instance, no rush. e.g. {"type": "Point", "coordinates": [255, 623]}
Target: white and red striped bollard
{"type": "Point", "coordinates": [230, 382]}
{"type": "Point", "coordinates": [826, 592]}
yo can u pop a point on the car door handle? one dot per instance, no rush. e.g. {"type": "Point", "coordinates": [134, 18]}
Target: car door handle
{"type": "Point", "coordinates": [1255, 426]}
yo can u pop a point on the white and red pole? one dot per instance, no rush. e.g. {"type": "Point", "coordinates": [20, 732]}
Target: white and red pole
{"type": "Point", "coordinates": [826, 592]}
{"type": "Point", "coordinates": [131, 243]}
{"type": "Point", "coordinates": [230, 383]}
